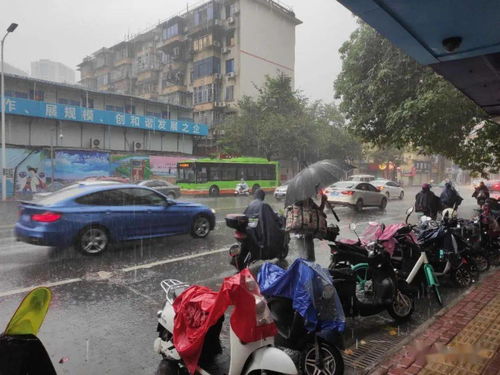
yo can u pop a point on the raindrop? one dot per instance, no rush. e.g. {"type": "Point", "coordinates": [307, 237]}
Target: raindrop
{"type": "Point", "coordinates": [87, 351]}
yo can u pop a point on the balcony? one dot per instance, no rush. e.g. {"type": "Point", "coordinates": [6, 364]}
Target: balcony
{"type": "Point", "coordinates": [124, 61]}
{"type": "Point", "coordinates": [205, 26]}
{"type": "Point", "coordinates": [174, 88]}
{"type": "Point", "coordinates": [147, 75]}
{"type": "Point", "coordinates": [210, 106]}
{"type": "Point", "coordinates": [207, 80]}
{"type": "Point", "coordinates": [168, 44]}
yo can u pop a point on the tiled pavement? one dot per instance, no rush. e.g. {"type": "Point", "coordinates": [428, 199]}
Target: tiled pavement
{"type": "Point", "coordinates": [465, 340]}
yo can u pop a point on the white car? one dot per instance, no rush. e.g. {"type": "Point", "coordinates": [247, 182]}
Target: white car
{"type": "Point", "coordinates": [356, 195]}
{"type": "Point", "coordinates": [362, 177]}
{"type": "Point", "coordinates": [280, 192]}
{"type": "Point", "coordinates": [390, 188]}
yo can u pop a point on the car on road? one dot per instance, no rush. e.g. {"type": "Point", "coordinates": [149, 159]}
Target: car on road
{"type": "Point", "coordinates": [93, 217]}
{"type": "Point", "coordinates": [356, 195]}
{"type": "Point", "coordinates": [166, 188]}
{"type": "Point", "coordinates": [390, 188]}
{"type": "Point", "coordinates": [361, 177]}
{"type": "Point", "coordinates": [280, 191]}
{"type": "Point", "coordinates": [494, 188]}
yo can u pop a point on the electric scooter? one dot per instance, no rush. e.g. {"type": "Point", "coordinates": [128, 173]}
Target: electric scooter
{"type": "Point", "coordinates": [251, 330]}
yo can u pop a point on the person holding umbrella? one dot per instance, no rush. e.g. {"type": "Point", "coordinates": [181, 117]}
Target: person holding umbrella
{"type": "Point", "coordinates": [304, 216]}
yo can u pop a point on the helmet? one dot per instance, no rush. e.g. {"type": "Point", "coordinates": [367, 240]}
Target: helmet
{"type": "Point", "coordinates": [450, 213]}
{"type": "Point", "coordinates": [426, 187]}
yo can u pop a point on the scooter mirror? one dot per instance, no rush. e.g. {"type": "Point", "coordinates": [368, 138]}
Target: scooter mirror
{"type": "Point", "coordinates": [410, 210]}
{"type": "Point", "coordinates": [234, 250]}
{"type": "Point", "coordinates": [352, 226]}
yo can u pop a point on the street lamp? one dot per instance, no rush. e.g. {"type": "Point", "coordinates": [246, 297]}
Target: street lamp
{"type": "Point", "coordinates": [10, 29]}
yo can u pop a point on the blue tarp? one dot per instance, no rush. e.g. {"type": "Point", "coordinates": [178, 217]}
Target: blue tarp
{"type": "Point", "coordinates": [304, 283]}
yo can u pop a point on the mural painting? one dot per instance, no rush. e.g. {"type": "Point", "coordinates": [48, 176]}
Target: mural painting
{"type": "Point", "coordinates": [80, 165]}
{"type": "Point", "coordinates": [131, 167]}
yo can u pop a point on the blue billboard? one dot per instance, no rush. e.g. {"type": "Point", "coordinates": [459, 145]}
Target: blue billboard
{"type": "Point", "coordinates": [32, 108]}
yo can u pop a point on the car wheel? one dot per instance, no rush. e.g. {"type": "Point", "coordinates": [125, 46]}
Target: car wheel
{"type": "Point", "coordinates": [93, 240]}
{"type": "Point", "coordinates": [359, 205]}
{"type": "Point", "coordinates": [213, 191]}
{"type": "Point", "coordinates": [171, 196]}
{"type": "Point", "coordinates": [401, 195]}
{"type": "Point", "coordinates": [383, 204]}
{"type": "Point", "coordinates": [200, 227]}
{"type": "Point", "coordinates": [255, 187]}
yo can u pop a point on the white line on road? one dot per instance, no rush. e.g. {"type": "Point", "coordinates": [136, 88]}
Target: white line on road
{"type": "Point", "coordinates": [24, 290]}
{"type": "Point", "coordinates": [173, 260]}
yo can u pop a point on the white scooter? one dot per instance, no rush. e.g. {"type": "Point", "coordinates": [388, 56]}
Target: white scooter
{"type": "Point", "coordinates": [242, 189]}
{"type": "Point", "coordinates": [245, 357]}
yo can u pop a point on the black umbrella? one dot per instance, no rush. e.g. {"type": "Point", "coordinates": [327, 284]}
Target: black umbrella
{"type": "Point", "coordinates": [309, 180]}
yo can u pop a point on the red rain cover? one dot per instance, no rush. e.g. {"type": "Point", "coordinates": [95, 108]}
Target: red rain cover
{"type": "Point", "coordinates": [198, 308]}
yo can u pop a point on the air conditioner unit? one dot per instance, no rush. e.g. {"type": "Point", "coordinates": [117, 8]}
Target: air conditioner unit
{"type": "Point", "coordinates": [231, 75]}
{"type": "Point", "coordinates": [94, 143]}
{"type": "Point", "coordinates": [216, 43]}
{"type": "Point", "coordinates": [217, 76]}
{"type": "Point", "coordinates": [136, 146]}
{"type": "Point", "coordinates": [230, 20]}
{"type": "Point", "coordinates": [226, 50]}
{"type": "Point", "coordinates": [236, 10]}
{"type": "Point", "coordinates": [220, 104]}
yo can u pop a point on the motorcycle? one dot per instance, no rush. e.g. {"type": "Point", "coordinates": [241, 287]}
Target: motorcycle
{"type": "Point", "coordinates": [366, 281]}
{"type": "Point", "coordinates": [446, 251]}
{"type": "Point", "coordinates": [308, 314]}
{"type": "Point", "coordinates": [21, 351]}
{"type": "Point", "coordinates": [241, 189]}
{"type": "Point", "coordinates": [190, 323]}
{"type": "Point", "coordinates": [247, 250]}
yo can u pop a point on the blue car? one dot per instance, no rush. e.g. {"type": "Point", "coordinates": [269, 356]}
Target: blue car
{"type": "Point", "coordinates": [91, 217]}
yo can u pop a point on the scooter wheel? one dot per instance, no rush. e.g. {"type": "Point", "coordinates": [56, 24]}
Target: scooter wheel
{"type": "Point", "coordinates": [167, 367]}
{"type": "Point", "coordinates": [482, 262]}
{"type": "Point", "coordinates": [332, 361]}
{"type": "Point", "coordinates": [462, 277]}
{"type": "Point", "coordinates": [402, 307]}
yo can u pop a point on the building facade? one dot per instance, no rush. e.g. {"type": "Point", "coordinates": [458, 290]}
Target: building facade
{"type": "Point", "coordinates": [52, 71]}
{"type": "Point", "coordinates": [206, 58]}
{"type": "Point", "coordinates": [73, 133]}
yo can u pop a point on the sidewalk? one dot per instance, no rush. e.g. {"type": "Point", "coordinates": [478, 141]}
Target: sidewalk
{"type": "Point", "coordinates": [464, 340]}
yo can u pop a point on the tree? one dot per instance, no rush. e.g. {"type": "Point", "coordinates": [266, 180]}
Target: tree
{"type": "Point", "coordinates": [280, 124]}
{"type": "Point", "coordinates": [389, 99]}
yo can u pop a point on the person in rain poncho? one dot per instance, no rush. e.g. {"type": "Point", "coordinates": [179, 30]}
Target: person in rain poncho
{"type": "Point", "coordinates": [450, 197]}
{"type": "Point", "coordinates": [481, 193]}
{"type": "Point", "coordinates": [268, 234]}
{"type": "Point", "coordinates": [427, 202]}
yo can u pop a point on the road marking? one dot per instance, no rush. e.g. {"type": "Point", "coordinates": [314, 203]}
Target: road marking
{"type": "Point", "coordinates": [48, 285]}
{"type": "Point", "coordinates": [173, 260]}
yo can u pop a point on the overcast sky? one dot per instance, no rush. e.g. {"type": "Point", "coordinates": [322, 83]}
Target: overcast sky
{"type": "Point", "coordinates": [68, 30]}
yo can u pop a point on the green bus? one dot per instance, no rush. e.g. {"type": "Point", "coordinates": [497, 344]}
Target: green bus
{"type": "Point", "coordinates": [214, 177]}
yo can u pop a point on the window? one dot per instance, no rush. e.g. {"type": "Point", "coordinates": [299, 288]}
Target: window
{"type": "Point", "coordinates": [205, 94]}
{"type": "Point", "coordinates": [229, 173]}
{"type": "Point", "coordinates": [86, 100]}
{"type": "Point", "coordinates": [185, 174]}
{"type": "Point", "coordinates": [68, 101]}
{"type": "Point", "coordinates": [102, 198]}
{"type": "Point", "coordinates": [114, 108]}
{"type": "Point", "coordinates": [229, 10]}
{"type": "Point", "coordinates": [201, 174]}
{"type": "Point", "coordinates": [214, 173]}
{"type": "Point", "coordinates": [361, 187]}
{"type": "Point", "coordinates": [36, 95]}
{"type": "Point", "coordinates": [372, 188]}
{"type": "Point", "coordinates": [229, 93]}
{"type": "Point", "coordinates": [230, 66]}
{"type": "Point", "coordinates": [130, 108]}
{"type": "Point", "coordinates": [142, 197]}
{"type": "Point", "coordinates": [202, 42]}
{"type": "Point", "coordinates": [16, 94]}
{"type": "Point", "coordinates": [171, 31]}
{"type": "Point", "coordinates": [102, 80]}
{"type": "Point", "coordinates": [206, 67]}
{"type": "Point", "coordinates": [230, 39]}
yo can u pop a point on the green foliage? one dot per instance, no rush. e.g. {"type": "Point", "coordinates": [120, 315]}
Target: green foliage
{"type": "Point", "coordinates": [390, 100]}
{"type": "Point", "coordinates": [280, 124]}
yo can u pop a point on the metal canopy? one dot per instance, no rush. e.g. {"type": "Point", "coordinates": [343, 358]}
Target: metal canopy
{"type": "Point", "coordinates": [419, 27]}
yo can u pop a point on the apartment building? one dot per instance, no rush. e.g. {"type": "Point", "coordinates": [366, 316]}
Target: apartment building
{"type": "Point", "coordinates": [52, 71]}
{"type": "Point", "coordinates": [206, 58]}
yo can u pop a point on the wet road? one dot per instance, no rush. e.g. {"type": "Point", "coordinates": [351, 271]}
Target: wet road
{"type": "Point", "coordinates": [103, 316]}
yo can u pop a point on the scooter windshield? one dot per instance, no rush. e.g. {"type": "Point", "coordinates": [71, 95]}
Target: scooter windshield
{"type": "Point", "coordinates": [30, 314]}
{"type": "Point", "coordinates": [311, 290]}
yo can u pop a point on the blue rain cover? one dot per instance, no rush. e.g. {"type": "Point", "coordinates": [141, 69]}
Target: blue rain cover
{"type": "Point", "coordinates": [303, 283]}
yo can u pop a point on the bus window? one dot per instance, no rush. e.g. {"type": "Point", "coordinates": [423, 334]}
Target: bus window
{"type": "Point", "coordinates": [185, 174]}
{"type": "Point", "coordinates": [201, 174]}
{"type": "Point", "coordinates": [214, 173]}
{"type": "Point", "coordinates": [229, 173]}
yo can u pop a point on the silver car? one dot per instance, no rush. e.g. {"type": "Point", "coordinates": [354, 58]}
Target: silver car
{"type": "Point", "coordinates": [280, 192]}
{"type": "Point", "coordinates": [356, 195]}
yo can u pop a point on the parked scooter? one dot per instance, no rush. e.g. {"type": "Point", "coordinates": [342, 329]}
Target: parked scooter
{"type": "Point", "coordinates": [247, 251]}
{"type": "Point", "coordinates": [242, 189]}
{"type": "Point", "coordinates": [21, 352]}
{"type": "Point", "coordinates": [191, 320]}
{"type": "Point", "coordinates": [366, 281]}
{"type": "Point", "coordinates": [308, 314]}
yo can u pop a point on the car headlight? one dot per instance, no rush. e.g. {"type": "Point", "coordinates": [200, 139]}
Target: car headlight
{"type": "Point", "coordinates": [213, 211]}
